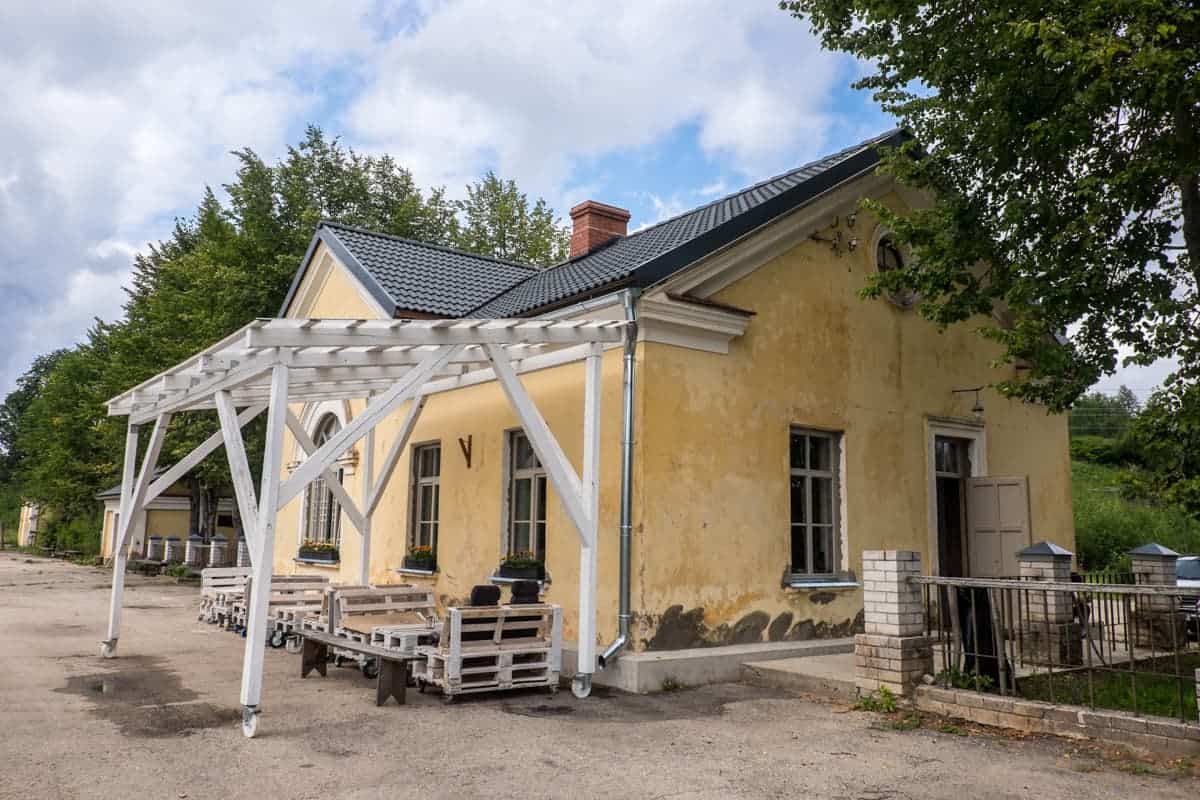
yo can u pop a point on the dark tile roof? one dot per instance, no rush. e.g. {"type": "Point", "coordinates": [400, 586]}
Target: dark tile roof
{"type": "Point", "coordinates": [649, 255]}
{"type": "Point", "coordinates": [404, 275]}
{"type": "Point", "coordinates": [427, 278]}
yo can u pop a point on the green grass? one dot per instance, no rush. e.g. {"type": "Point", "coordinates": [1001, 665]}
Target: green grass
{"type": "Point", "coordinates": [1156, 694]}
{"type": "Point", "coordinates": [1108, 526]}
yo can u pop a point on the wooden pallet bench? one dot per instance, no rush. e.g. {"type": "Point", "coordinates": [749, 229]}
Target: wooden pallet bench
{"type": "Point", "coordinates": [218, 587]}
{"type": "Point", "coordinates": [392, 680]}
{"type": "Point", "coordinates": [494, 648]}
{"type": "Point", "coordinates": [385, 615]}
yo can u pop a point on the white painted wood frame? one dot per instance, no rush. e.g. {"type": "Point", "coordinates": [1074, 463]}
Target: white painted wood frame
{"type": "Point", "coordinates": [133, 494]}
{"type": "Point", "coordinates": [263, 553]}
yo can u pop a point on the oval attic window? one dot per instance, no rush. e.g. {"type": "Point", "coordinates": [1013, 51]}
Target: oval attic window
{"type": "Point", "coordinates": [887, 259]}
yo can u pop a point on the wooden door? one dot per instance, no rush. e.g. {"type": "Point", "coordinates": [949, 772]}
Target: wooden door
{"type": "Point", "coordinates": [997, 525]}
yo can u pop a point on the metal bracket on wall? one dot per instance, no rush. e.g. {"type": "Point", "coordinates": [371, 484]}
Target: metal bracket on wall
{"type": "Point", "coordinates": [466, 445]}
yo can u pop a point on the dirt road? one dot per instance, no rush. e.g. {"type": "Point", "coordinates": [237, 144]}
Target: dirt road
{"type": "Point", "coordinates": [162, 721]}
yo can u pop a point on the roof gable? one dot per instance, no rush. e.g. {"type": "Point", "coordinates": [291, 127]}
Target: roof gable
{"type": "Point", "coordinates": [405, 275]}
{"type": "Point", "coordinates": [425, 279]}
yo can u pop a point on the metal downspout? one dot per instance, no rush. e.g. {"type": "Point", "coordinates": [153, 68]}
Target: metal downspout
{"type": "Point", "coordinates": [624, 616]}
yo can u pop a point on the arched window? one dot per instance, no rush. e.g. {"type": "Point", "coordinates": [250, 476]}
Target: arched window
{"type": "Point", "coordinates": [322, 514]}
{"type": "Point", "coordinates": [888, 258]}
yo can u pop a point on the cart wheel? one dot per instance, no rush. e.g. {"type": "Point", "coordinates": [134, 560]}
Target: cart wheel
{"type": "Point", "coordinates": [580, 688]}
{"type": "Point", "coordinates": [108, 649]}
{"type": "Point", "coordinates": [338, 660]}
{"type": "Point", "coordinates": [294, 644]}
{"type": "Point", "coordinates": [370, 668]}
{"type": "Point", "coordinates": [276, 639]}
{"type": "Point", "coordinates": [552, 689]}
{"type": "Point", "coordinates": [249, 722]}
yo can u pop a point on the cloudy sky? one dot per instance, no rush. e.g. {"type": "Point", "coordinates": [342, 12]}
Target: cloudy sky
{"type": "Point", "coordinates": [117, 114]}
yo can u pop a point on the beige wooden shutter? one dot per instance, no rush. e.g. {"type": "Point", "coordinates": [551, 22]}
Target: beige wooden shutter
{"type": "Point", "coordinates": [997, 525]}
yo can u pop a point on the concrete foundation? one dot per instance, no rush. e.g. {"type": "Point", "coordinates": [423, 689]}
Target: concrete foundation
{"type": "Point", "coordinates": [646, 671]}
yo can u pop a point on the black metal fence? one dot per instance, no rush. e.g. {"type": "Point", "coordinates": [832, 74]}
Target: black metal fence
{"type": "Point", "coordinates": [1102, 645]}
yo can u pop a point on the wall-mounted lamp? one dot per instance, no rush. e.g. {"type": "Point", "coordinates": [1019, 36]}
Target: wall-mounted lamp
{"type": "Point", "coordinates": [977, 409]}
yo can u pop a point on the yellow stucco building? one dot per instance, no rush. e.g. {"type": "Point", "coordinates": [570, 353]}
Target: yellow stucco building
{"type": "Point", "coordinates": [783, 425]}
{"type": "Point", "coordinates": [168, 515]}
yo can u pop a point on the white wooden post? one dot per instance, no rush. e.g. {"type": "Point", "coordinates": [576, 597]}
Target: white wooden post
{"type": "Point", "coordinates": [591, 506]}
{"type": "Point", "coordinates": [239, 468]}
{"type": "Point", "coordinates": [367, 463]}
{"type": "Point", "coordinates": [133, 492]}
{"type": "Point", "coordinates": [263, 559]}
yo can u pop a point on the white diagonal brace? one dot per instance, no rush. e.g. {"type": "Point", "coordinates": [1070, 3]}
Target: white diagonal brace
{"type": "Point", "coordinates": [137, 498]}
{"type": "Point", "coordinates": [340, 442]}
{"type": "Point", "coordinates": [558, 468]}
{"type": "Point", "coordinates": [331, 482]}
{"type": "Point", "coordinates": [239, 467]}
{"type": "Point", "coordinates": [393, 456]}
{"type": "Point", "coordinates": [185, 464]}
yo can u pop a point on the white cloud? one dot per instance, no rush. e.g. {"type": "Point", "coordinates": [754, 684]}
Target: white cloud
{"type": "Point", "coordinates": [535, 89]}
{"type": "Point", "coordinates": [116, 114]}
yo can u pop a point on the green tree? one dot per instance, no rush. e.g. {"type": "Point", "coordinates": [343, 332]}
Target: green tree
{"type": "Point", "coordinates": [1060, 143]}
{"type": "Point", "coordinates": [13, 409]}
{"type": "Point", "coordinates": [226, 265]}
{"type": "Point", "coordinates": [1100, 414]}
{"type": "Point", "coordinates": [498, 221]}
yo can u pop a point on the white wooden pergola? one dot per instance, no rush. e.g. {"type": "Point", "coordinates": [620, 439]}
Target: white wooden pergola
{"type": "Point", "coordinates": [272, 363]}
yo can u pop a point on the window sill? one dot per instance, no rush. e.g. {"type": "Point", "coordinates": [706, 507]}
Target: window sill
{"type": "Point", "coordinates": [411, 571]}
{"type": "Point", "coordinates": [500, 580]}
{"type": "Point", "coordinates": [314, 562]}
{"type": "Point", "coordinates": [818, 583]}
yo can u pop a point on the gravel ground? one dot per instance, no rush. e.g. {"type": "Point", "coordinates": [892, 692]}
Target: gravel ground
{"type": "Point", "coordinates": [162, 721]}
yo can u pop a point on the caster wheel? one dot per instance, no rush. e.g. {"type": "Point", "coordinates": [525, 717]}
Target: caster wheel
{"type": "Point", "coordinates": [294, 644]}
{"type": "Point", "coordinates": [276, 639]}
{"type": "Point", "coordinates": [108, 649]}
{"type": "Point", "coordinates": [338, 661]}
{"type": "Point", "coordinates": [370, 668]}
{"type": "Point", "coordinates": [580, 688]}
{"type": "Point", "coordinates": [552, 690]}
{"type": "Point", "coordinates": [448, 699]}
{"type": "Point", "coordinates": [250, 722]}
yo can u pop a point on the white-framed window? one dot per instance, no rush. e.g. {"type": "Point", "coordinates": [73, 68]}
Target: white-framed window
{"type": "Point", "coordinates": [322, 513]}
{"type": "Point", "coordinates": [426, 480]}
{"type": "Point", "coordinates": [814, 458]}
{"type": "Point", "coordinates": [525, 533]}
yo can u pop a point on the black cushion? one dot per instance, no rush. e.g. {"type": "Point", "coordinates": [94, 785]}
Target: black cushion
{"type": "Point", "coordinates": [524, 592]}
{"type": "Point", "coordinates": [486, 595]}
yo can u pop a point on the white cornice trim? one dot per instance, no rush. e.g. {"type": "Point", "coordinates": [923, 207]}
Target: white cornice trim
{"type": "Point", "coordinates": [669, 321]}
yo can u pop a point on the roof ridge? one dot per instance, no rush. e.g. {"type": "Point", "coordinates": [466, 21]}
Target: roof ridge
{"type": "Point", "coordinates": [329, 223]}
{"type": "Point", "coordinates": [840, 154]}
{"type": "Point", "coordinates": [847, 151]}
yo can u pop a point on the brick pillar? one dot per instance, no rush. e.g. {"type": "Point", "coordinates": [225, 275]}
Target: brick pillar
{"type": "Point", "coordinates": [1154, 565]}
{"type": "Point", "coordinates": [1049, 630]}
{"type": "Point", "coordinates": [893, 651]}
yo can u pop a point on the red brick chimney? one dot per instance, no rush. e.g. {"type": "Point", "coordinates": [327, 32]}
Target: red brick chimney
{"type": "Point", "coordinates": [594, 224]}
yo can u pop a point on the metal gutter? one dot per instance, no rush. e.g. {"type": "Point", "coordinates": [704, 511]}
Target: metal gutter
{"type": "Point", "coordinates": [624, 615]}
